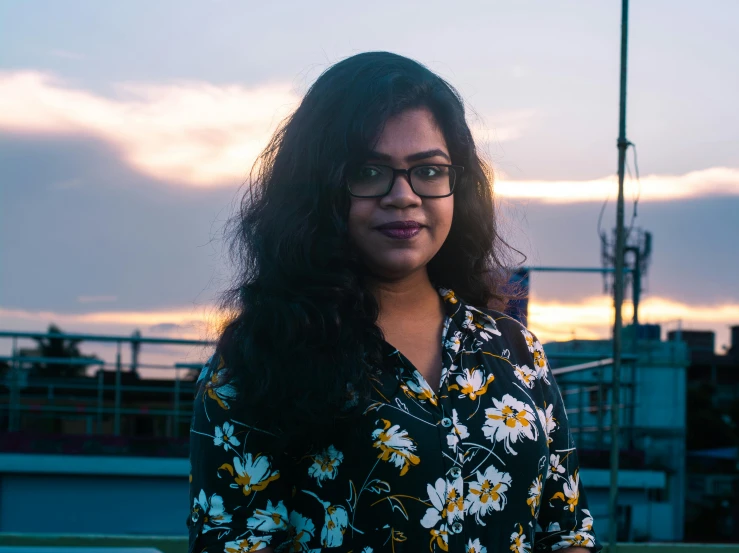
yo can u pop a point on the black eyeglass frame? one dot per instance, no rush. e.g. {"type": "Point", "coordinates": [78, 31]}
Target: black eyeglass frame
{"type": "Point", "coordinates": [459, 169]}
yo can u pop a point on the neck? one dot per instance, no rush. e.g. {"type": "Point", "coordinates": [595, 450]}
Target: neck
{"type": "Point", "coordinates": [412, 294]}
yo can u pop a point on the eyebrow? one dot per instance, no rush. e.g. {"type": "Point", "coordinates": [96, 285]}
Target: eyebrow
{"type": "Point", "coordinates": [413, 157]}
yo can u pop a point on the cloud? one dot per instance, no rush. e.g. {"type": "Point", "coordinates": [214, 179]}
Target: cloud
{"type": "Point", "coordinates": [205, 135]}
{"type": "Point", "coordinates": [183, 323]}
{"type": "Point", "coordinates": [501, 127]}
{"type": "Point", "coordinates": [192, 132]}
{"type": "Point", "coordinates": [96, 299]}
{"type": "Point", "coordinates": [716, 181]}
{"type": "Point", "coordinates": [67, 55]}
{"type": "Point", "coordinates": [592, 318]}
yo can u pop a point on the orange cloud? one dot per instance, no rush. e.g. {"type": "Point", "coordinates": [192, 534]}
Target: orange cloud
{"type": "Point", "coordinates": [191, 132]}
{"type": "Point", "coordinates": [200, 134]}
{"type": "Point", "coordinates": [592, 318]}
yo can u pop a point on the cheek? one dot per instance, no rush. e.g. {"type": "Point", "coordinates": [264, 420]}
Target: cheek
{"type": "Point", "coordinates": [359, 216]}
{"type": "Point", "coordinates": [444, 213]}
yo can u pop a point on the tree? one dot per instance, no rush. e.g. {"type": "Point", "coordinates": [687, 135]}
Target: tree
{"type": "Point", "coordinates": [57, 346]}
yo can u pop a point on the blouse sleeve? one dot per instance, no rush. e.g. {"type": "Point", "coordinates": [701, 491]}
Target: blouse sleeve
{"type": "Point", "coordinates": [239, 495]}
{"type": "Point", "coordinates": [564, 519]}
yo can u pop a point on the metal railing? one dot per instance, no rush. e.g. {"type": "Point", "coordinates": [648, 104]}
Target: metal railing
{"type": "Point", "coordinates": [110, 395]}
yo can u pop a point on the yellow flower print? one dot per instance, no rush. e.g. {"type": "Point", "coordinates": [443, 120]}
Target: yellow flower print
{"type": "Point", "coordinates": [534, 499]}
{"type": "Point", "coordinates": [218, 389]}
{"type": "Point", "coordinates": [441, 537]}
{"type": "Point", "coordinates": [525, 375]}
{"type": "Point", "coordinates": [571, 493]}
{"type": "Point", "coordinates": [300, 531]}
{"type": "Point", "coordinates": [448, 295]}
{"type": "Point", "coordinates": [395, 446]}
{"type": "Point", "coordinates": [325, 464]}
{"type": "Point", "coordinates": [247, 545]}
{"type": "Point", "coordinates": [547, 421]}
{"type": "Point", "coordinates": [274, 517]}
{"type": "Point", "coordinates": [518, 541]}
{"type": "Point", "coordinates": [211, 510]}
{"type": "Point", "coordinates": [488, 493]}
{"type": "Point", "coordinates": [529, 339]}
{"type": "Point", "coordinates": [253, 475]}
{"type": "Point", "coordinates": [472, 383]}
{"type": "Point", "coordinates": [417, 388]}
{"type": "Point", "coordinates": [475, 547]}
{"type": "Point", "coordinates": [510, 421]}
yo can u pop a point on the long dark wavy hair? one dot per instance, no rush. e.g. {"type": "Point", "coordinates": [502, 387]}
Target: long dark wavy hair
{"type": "Point", "coordinates": [302, 337]}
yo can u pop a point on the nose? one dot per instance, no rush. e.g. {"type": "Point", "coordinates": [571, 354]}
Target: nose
{"type": "Point", "coordinates": [401, 195]}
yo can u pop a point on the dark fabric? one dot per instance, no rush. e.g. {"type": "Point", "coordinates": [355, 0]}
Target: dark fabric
{"type": "Point", "coordinates": [484, 464]}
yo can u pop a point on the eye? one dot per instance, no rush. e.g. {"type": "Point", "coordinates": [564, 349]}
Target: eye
{"type": "Point", "coordinates": [368, 172]}
{"type": "Point", "coordinates": [429, 171]}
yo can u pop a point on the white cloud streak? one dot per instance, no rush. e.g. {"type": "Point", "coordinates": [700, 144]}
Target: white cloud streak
{"type": "Point", "coordinates": [203, 135]}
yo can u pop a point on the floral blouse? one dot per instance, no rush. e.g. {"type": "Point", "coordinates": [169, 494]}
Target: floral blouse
{"type": "Point", "coordinates": [484, 464]}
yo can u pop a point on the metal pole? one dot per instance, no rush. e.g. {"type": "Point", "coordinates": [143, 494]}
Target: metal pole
{"type": "Point", "coordinates": [99, 423]}
{"type": "Point", "coordinates": [623, 144]}
{"type": "Point", "coordinates": [176, 427]}
{"type": "Point", "coordinates": [14, 400]}
{"type": "Point", "coordinates": [117, 408]}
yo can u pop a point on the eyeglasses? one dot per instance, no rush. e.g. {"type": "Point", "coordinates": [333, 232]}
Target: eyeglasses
{"type": "Point", "coordinates": [427, 181]}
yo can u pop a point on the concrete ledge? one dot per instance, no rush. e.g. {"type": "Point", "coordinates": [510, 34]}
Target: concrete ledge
{"type": "Point", "coordinates": [22, 463]}
{"type": "Point", "coordinates": [639, 479]}
{"type": "Point", "coordinates": [178, 544]}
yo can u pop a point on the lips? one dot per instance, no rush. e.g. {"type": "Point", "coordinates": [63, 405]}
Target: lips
{"type": "Point", "coordinates": [399, 225]}
{"type": "Point", "coordinates": [400, 230]}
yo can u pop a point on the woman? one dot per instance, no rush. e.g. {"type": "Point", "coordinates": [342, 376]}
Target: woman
{"type": "Point", "coordinates": [371, 223]}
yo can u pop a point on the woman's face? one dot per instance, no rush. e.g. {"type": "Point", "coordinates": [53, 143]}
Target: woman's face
{"type": "Point", "coordinates": [408, 139]}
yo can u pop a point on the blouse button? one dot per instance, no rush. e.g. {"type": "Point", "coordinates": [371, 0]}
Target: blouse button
{"type": "Point", "coordinates": [446, 422]}
{"type": "Point", "coordinates": [457, 527]}
{"type": "Point", "coordinates": [455, 472]}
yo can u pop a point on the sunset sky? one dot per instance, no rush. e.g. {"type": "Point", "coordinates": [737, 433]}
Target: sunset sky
{"type": "Point", "coordinates": [128, 128]}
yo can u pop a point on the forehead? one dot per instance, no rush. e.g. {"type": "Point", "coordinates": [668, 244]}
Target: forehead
{"type": "Point", "coordinates": [411, 131]}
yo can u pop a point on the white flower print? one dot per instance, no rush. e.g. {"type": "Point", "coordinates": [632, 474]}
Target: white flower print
{"type": "Point", "coordinates": [447, 503]}
{"type": "Point", "coordinates": [245, 545]}
{"type": "Point", "coordinates": [301, 530]}
{"type": "Point", "coordinates": [534, 499]}
{"type": "Point", "coordinates": [555, 468]}
{"type": "Point", "coordinates": [553, 527]}
{"type": "Point", "coordinates": [334, 526]}
{"type": "Point", "coordinates": [335, 522]}
{"type": "Point", "coordinates": [458, 432]}
{"type": "Point", "coordinates": [547, 421]}
{"type": "Point", "coordinates": [485, 324]}
{"type": "Point", "coordinates": [509, 421]}
{"type": "Point", "coordinates": [525, 375]}
{"type": "Point", "coordinates": [418, 388]}
{"type": "Point", "coordinates": [529, 339]}
{"type": "Point", "coordinates": [475, 547]}
{"type": "Point", "coordinates": [587, 522]}
{"type": "Point", "coordinates": [395, 446]}
{"type": "Point", "coordinates": [488, 493]}
{"type": "Point", "coordinates": [325, 464]}
{"type": "Point", "coordinates": [571, 492]}
{"type": "Point", "coordinates": [454, 342]}
{"type": "Point", "coordinates": [540, 363]}
{"type": "Point", "coordinates": [224, 437]}
{"type": "Point", "coordinates": [211, 510]}
{"type": "Point", "coordinates": [253, 474]}
{"type": "Point", "coordinates": [472, 383]}
{"type": "Point", "coordinates": [274, 517]}
{"type": "Point", "coordinates": [218, 389]}
{"type": "Point", "coordinates": [575, 539]}
{"type": "Point", "coordinates": [518, 541]}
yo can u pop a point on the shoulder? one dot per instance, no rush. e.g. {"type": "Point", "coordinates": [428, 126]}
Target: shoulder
{"type": "Point", "coordinates": [507, 328]}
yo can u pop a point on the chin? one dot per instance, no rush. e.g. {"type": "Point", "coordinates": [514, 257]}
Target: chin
{"type": "Point", "coordinates": [397, 268]}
